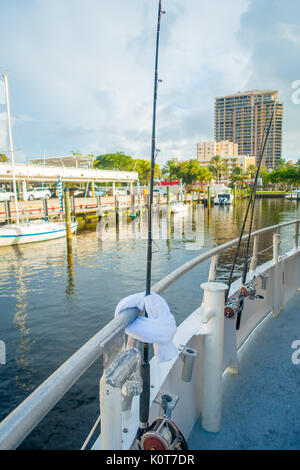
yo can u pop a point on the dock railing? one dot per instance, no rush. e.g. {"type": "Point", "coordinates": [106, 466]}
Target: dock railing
{"type": "Point", "coordinates": [18, 424]}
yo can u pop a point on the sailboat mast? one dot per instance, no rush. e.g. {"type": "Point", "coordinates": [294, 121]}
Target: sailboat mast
{"type": "Point", "coordinates": [11, 147]}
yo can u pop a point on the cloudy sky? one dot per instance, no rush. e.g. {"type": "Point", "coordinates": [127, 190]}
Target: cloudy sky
{"type": "Point", "coordinates": [81, 71]}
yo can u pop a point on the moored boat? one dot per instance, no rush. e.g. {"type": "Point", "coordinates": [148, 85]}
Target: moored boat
{"type": "Point", "coordinates": [33, 231]}
{"type": "Point", "coordinates": [223, 199]}
{"type": "Point", "coordinates": [293, 195]}
{"type": "Point", "coordinates": [178, 207]}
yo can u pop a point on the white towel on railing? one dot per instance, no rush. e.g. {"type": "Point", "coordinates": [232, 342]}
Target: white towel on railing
{"type": "Point", "coordinates": [158, 328]}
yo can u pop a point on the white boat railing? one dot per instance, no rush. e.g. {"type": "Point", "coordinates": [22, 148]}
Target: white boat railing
{"type": "Point", "coordinates": [18, 424]}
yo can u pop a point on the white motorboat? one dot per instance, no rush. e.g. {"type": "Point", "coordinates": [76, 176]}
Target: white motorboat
{"type": "Point", "coordinates": [294, 195]}
{"type": "Point", "coordinates": [33, 231]}
{"type": "Point", "coordinates": [178, 207]}
{"type": "Point", "coordinates": [223, 199]}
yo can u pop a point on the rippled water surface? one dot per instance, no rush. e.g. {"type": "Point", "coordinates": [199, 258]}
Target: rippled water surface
{"type": "Point", "coordinates": [51, 303]}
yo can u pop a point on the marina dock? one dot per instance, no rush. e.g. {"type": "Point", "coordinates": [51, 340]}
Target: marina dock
{"type": "Point", "coordinates": [82, 207]}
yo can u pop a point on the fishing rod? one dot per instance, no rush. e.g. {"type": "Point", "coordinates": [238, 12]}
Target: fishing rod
{"type": "Point", "coordinates": [262, 149]}
{"type": "Point", "coordinates": [251, 201]}
{"type": "Point", "coordinates": [145, 367]}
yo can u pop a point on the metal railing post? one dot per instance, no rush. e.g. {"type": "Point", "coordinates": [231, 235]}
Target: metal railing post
{"type": "Point", "coordinates": [213, 268]}
{"type": "Point", "coordinates": [296, 235]}
{"type": "Point", "coordinates": [276, 297]}
{"type": "Point", "coordinates": [253, 262]}
{"type": "Point", "coordinates": [111, 416]}
{"type": "Point", "coordinates": [276, 246]}
{"type": "Point", "coordinates": [211, 407]}
{"type": "Point", "coordinates": [125, 368]}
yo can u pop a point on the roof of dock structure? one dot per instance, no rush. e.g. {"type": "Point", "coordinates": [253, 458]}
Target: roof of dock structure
{"type": "Point", "coordinates": [76, 161]}
{"type": "Point", "coordinates": [38, 173]}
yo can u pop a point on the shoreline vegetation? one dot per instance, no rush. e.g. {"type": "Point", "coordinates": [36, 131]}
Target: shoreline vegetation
{"type": "Point", "coordinates": [284, 177]}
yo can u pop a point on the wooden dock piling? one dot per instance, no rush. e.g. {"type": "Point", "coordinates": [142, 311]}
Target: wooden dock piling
{"type": "Point", "coordinates": [7, 211]}
{"type": "Point", "coordinates": [45, 204]}
{"type": "Point", "coordinates": [68, 218]}
{"type": "Point", "coordinates": [117, 209]}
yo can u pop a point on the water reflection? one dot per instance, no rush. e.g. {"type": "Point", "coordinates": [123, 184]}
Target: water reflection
{"type": "Point", "coordinates": [70, 271]}
{"type": "Point", "coordinates": [24, 342]}
{"type": "Point", "coordinates": [53, 300]}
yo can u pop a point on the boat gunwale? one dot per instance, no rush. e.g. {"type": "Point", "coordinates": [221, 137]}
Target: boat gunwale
{"type": "Point", "coordinates": [21, 421]}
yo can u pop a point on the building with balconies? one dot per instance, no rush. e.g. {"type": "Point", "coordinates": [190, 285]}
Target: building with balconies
{"type": "Point", "coordinates": [244, 117]}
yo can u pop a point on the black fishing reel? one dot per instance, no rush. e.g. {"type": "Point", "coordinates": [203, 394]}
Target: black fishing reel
{"type": "Point", "coordinates": [163, 434]}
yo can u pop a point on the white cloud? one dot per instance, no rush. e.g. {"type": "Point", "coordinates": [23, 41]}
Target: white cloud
{"type": "Point", "coordinates": [82, 73]}
{"type": "Point", "coordinates": [290, 32]}
{"type": "Point", "coordinates": [3, 132]}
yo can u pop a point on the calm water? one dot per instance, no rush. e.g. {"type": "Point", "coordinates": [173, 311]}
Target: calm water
{"type": "Point", "coordinates": [51, 303]}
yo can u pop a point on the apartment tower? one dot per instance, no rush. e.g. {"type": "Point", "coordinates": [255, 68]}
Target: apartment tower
{"type": "Point", "coordinates": [243, 118]}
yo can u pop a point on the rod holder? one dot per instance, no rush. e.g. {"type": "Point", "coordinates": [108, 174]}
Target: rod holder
{"type": "Point", "coordinates": [188, 356]}
{"type": "Point", "coordinates": [167, 402]}
{"type": "Point", "coordinates": [212, 360]}
{"type": "Point", "coordinates": [264, 281]}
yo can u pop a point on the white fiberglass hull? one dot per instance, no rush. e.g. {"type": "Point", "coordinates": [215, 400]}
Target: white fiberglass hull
{"type": "Point", "coordinates": [227, 202]}
{"type": "Point", "coordinates": [17, 234]}
{"type": "Point", "coordinates": [178, 208]}
{"type": "Point", "coordinates": [294, 196]}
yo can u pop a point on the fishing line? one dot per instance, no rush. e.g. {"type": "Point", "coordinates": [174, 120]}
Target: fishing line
{"type": "Point", "coordinates": [247, 248]}
{"type": "Point", "coordinates": [254, 196]}
{"type": "Point", "coordinates": [249, 204]}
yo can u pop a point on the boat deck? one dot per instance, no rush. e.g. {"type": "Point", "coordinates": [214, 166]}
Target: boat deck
{"type": "Point", "coordinates": [261, 406]}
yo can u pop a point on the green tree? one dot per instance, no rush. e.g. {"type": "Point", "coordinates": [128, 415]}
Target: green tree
{"type": "Point", "coordinates": [143, 167]}
{"type": "Point", "coordinates": [191, 171]}
{"type": "Point", "coordinates": [282, 164]}
{"type": "Point", "coordinates": [122, 162]}
{"type": "Point", "coordinates": [3, 157]}
{"type": "Point", "coordinates": [251, 171]}
{"type": "Point", "coordinates": [218, 167]}
{"type": "Point", "coordinates": [288, 177]}
{"type": "Point", "coordinates": [238, 177]}
{"type": "Point", "coordinates": [171, 169]}
{"type": "Point", "coordinates": [297, 165]}
{"type": "Point", "coordinates": [114, 161]}
{"type": "Point", "coordinates": [265, 175]}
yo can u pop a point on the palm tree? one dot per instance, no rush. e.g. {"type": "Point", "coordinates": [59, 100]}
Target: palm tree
{"type": "Point", "coordinates": [171, 169]}
{"type": "Point", "coordinates": [238, 177]}
{"type": "Point", "coordinates": [251, 171]}
{"type": "Point", "coordinates": [3, 157]}
{"type": "Point", "coordinates": [281, 164]}
{"type": "Point", "coordinates": [218, 167]}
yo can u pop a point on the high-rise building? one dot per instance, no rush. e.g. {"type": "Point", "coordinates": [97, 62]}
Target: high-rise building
{"type": "Point", "coordinates": [243, 118]}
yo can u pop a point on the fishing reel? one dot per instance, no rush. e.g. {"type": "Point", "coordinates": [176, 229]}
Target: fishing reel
{"type": "Point", "coordinates": [163, 434]}
{"type": "Point", "coordinates": [249, 290]}
{"type": "Point", "coordinates": [232, 308]}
